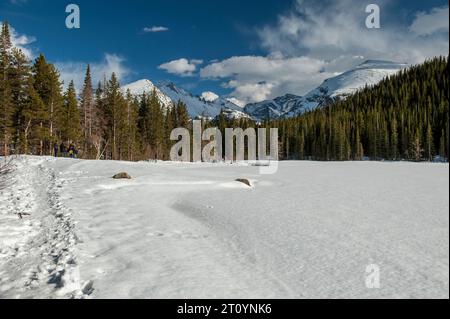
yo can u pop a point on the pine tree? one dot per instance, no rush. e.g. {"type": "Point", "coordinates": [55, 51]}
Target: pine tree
{"type": "Point", "coordinates": [156, 135]}
{"type": "Point", "coordinates": [169, 125]}
{"type": "Point", "coordinates": [48, 86]}
{"type": "Point", "coordinates": [429, 143]}
{"type": "Point", "coordinates": [132, 140]}
{"type": "Point", "coordinates": [99, 139]}
{"type": "Point", "coordinates": [183, 115]}
{"type": "Point", "coordinates": [394, 140]}
{"type": "Point", "coordinates": [32, 115]}
{"type": "Point", "coordinates": [115, 112]}
{"type": "Point", "coordinates": [18, 80]}
{"type": "Point", "coordinates": [70, 125]}
{"type": "Point", "coordinates": [416, 149]}
{"type": "Point", "coordinates": [359, 152]}
{"type": "Point", "coordinates": [442, 146]}
{"type": "Point", "coordinates": [301, 147]}
{"type": "Point", "coordinates": [6, 104]}
{"type": "Point", "coordinates": [88, 112]}
{"type": "Point", "coordinates": [144, 123]}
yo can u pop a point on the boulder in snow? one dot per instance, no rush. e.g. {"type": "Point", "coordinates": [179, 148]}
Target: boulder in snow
{"type": "Point", "coordinates": [122, 175]}
{"type": "Point", "coordinates": [244, 181]}
{"type": "Point", "coordinates": [88, 287]}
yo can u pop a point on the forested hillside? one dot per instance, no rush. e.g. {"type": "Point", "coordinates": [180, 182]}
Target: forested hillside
{"type": "Point", "coordinates": [403, 117]}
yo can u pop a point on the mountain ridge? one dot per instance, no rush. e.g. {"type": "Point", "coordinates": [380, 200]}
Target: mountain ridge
{"type": "Point", "coordinates": [368, 73]}
{"type": "Point", "coordinates": [197, 106]}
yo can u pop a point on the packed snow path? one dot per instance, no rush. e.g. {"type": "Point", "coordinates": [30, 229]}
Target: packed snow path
{"type": "Point", "coordinates": [36, 236]}
{"type": "Point", "coordinates": [190, 231]}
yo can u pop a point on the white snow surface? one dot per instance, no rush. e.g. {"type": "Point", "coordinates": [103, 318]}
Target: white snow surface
{"type": "Point", "coordinates": [369, 73]}
{"type": "Point", "coordinates": [190, 231]}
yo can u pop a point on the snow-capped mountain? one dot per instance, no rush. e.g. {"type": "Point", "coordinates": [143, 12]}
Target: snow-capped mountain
{"type": "Point", "coordinates": [146, 86]}
{"type": "Point", "coordinates": [368, 73]}
{"type": "Point", "coordinates": [275, 108]}
{"type": "Point", "coordinates": [209, 105]}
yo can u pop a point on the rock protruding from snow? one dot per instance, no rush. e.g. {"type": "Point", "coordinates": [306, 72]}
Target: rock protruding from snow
{"type": "Point", "coordinates": [88, 287]}
{"type": "Point", "coordinates": [146, 86]}
{"type": "Point", "coordinates": [244, 181]}
{"type": "Point", "coordinates": [122, 175]}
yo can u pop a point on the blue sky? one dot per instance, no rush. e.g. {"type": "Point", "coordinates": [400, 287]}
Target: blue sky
{"type": "Point", "coordinates": [248, 49]}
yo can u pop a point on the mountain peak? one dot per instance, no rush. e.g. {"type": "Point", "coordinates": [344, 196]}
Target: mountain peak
{"type": "Point", "coordinates": [208, 105]}
{"type": "Point", "coordinates": [140, 86]}
{"type": "Point", "coordinates": [164, 85]}
{"type": "Point", "coordinates": [146, 86]}
{"type": "Point", "coordinates": [368, 73]}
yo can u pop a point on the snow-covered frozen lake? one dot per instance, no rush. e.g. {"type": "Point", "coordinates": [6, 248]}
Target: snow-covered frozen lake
{"type": "Point", "coordinates": [191, 231]}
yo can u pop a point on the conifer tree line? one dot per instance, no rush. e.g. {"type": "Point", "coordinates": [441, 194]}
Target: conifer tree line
{"type": "Point", "coordinates": [37, 114]}
{"type": "Point", "coordinates": [405, 116]}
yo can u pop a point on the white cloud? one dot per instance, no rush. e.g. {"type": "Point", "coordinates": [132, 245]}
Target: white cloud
{"type": "Point", "coordinates": [76, 70]}
{"type": "Point", "coordinates": [23, 42]}
{"type": "Point", "coordinates": [318, 40]}
{"type": "Point", "coordinates": [155, 29]}
{"type": "Point", "coordinates": [209, 96]}
{"type": "Point", "coordinates": [182, 67]}
{"type": "Point", "coordinates": [256, 78]}
{"type": "Point", "coordinates": [252, 92]}
{"type": "Point", "coordinates": [429, 23]}
{"type": "Point", "coordinates": [336, 28]}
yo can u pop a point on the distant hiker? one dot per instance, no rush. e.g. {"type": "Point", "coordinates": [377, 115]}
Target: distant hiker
{"type": "Point", "coordinates": [72, 151]}
{"type": "Point", "coordinates": [55, 149]}
{"type": "Point", "coordinates": [63, 149]}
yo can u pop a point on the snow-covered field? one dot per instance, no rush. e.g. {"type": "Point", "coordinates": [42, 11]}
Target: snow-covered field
{"type": "Point", "coordinates": [191, 231]}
